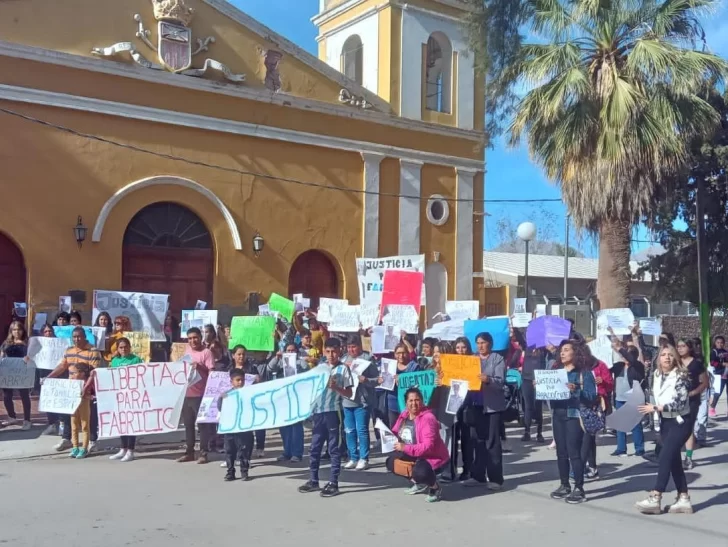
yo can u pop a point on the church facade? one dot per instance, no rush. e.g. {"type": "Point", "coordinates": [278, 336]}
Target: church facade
{"type": "Point", "coordinates": [184, 135]}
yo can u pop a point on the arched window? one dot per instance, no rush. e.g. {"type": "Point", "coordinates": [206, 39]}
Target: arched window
{"type": "Point", "coordinates": [167, 224]}
{"type": "Point", "coordinates": [352, 59]}
{"type": "Point", "coordinates": [438, 76]}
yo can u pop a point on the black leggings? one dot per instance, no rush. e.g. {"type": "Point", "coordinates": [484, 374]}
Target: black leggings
{"type": "Point", "coordinates": [674, 436]}
{"type": "Point", "coordinates": [10, 407]}
{"type": "Point", "coordinates": [569, 437]}
{"type": "Point", "coordinates": [589, 450]}
{"type": "Point", "coordinates": [532, 409]}
{"type": "Point", "coordinates": [422, 472]}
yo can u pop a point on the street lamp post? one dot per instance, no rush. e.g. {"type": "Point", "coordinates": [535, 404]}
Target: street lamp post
{"type": "Point", "coordinates": [527, 232]}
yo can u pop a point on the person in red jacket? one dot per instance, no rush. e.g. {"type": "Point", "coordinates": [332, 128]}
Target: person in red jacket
{"type": "Point", "coordinates": [420, 451]}
{"type": "Point", "coordinates": [605, 387]}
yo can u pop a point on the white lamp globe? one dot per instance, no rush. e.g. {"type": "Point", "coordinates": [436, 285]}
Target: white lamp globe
{"type": "Point", "coordinates": [526, 231]}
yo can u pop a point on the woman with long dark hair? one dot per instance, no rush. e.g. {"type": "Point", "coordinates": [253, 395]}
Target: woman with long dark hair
{"type": "Point", "coordinates": [484, 416]}
{"type": "Point", "coordinates": [462, 431]}
{"type": "Point", "coordinates": [699, 383]}
{"type": "Point", "coordinates": [566, 419]}
{"type": "Point", "coordinates": [16, 345]}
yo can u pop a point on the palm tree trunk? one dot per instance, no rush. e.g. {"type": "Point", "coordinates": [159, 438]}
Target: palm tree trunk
{"type": "Point", "coordinates": [613, 284]}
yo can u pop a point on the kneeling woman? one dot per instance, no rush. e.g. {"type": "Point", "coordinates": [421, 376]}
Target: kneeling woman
{"type": "Point", "coordinates": [420, 453]}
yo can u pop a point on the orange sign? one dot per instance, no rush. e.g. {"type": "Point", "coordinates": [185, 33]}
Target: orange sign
{"type": "Point", "coordinates": [461, 367]}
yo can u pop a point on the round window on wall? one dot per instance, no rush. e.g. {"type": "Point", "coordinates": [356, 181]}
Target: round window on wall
{"type": "Point", "coordinates": [438, 210]}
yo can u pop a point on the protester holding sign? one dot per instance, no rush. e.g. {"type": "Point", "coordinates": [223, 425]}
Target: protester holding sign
{"type": "Point", "coordinates": [16, 345]}
{"type": "Point", "coordinates": [326, 423]}
{"type": "Point", "coordinates": [204, 362]}
{"type": "Point", "coordinates": [605, 386]}
{"type": "Point", "coordinates": [239, 445]}
{"type": "Point", "coordinates": [420, 451]}
{"type": "Point", "coordinates": [357, 410]}
{"type": "Point", "coordinates": [122, 324]}
{"type": "Point", "coordinates": [125, 358]}
{"type": "Point", "coordinates": [291, 435]}
{"type": "Point", "coordinates": [81, 353]}
{"type": "Point", "coordinates": [627, 371]}
{"type": "Point", "coordinates": [404, 364]}
{"type": "Point", "coordinates": [566, 420]}
{"type": "Point", "coordinates": [483, 414]}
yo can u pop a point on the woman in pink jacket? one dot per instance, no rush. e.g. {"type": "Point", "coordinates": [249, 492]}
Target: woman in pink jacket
{"type": "Point", "coordinates": [420, 451]}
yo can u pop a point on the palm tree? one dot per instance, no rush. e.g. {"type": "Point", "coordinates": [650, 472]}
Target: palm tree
{"type": "Point", "coordinates": [614, 97]}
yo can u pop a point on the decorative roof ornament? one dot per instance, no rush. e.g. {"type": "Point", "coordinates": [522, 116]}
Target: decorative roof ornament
{"type": "Point", "coordinates": [174, 43]}
{"type": "Point", "coordinates": [347, 97]}
{"type": "Point", "coordinates": [173, 10]}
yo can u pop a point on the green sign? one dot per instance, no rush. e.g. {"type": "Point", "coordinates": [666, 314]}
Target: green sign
{"type": "Point", "coordinates": [424, 380]}
{"type": "Point", "coordinates": [282, 306]}
{"type": "Point", "coordinates": [256, 333]}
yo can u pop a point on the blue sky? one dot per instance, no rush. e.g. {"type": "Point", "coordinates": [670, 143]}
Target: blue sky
{"type": "Point", "coordinates": [511, 174]}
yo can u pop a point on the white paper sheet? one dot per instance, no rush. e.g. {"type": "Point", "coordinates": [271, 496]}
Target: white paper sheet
{"type": "Point", "coordinates": [388, 438]}
{"type": "Point", "coordinates": [626, 417]}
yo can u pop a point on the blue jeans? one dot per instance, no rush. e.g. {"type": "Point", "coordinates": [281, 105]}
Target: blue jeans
{"type": "Point", "coordinates": [292, 436]}
{"type": "Point", "coordinates": [356, 426]}
{"type": "Point", "coordinates": [637, 436]}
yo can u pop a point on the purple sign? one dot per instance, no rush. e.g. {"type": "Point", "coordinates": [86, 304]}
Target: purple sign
{"type": "Point", "coordinates": [547, 330]}
{"type": "Point", "coordinates": [217, 384]}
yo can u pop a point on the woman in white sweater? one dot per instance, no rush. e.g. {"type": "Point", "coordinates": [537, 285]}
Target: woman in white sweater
{"type": "Point", "coordinates": [670, 390]}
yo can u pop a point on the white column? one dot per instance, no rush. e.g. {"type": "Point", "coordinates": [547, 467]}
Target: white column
{"type": "Point", "coordinates": [410, 184]}
{"type": "Point", "coordinates": [464, 236]}
{"type": "Point", "coordinates": [371, 204]}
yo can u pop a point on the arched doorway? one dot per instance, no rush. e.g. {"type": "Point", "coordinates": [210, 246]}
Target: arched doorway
{"type": "Point", "coordinates": [314, 275]}
{"type": "Point", "coordinates": [168, 250]}
{"type": "Point", "coordinates": [12, 281]}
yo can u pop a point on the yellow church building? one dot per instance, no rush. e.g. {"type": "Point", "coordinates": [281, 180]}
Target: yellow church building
{"type": "Point", "coordinates": [182, 147]}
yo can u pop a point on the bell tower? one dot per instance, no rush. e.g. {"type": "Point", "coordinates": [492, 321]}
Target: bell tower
{"type": "Point", "coordinates": [413, 55]}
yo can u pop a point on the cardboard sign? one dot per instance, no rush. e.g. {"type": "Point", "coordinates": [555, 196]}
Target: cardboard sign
{"type": "Point", "coordinates": [140, 345]}
{"type": "Point", "coordinates": [404, 317]}
{"type": "Point", "coordinates": [462, 309]}
{"type": "Point", "coordinates": [145, 311]}
{"type": "Point", "coordinates": [179, 350]}
{"type": "Point", "coordinates": [461, 367]}
{"type": "Point", "coordinates": [370, 274]}
{"type": "Point", "coordinates": [551, 385]}
{"type": "Point", "coordinates": [140, 399]}
{"type": "Point", "coordinates": [547, 330]}
{"type": "Point", "coordinates": [46, 353]}
{"type": "Point", "coordinates": [197, 318]}
{"type": "Point", "coordinates": [424, 380]}
{"type": "Point", "coordinates": [273, 404]}
{"type": "Point", "coordinates": [60, 395]}
{"type": "Point", "coordinates": [218, 382]}
{"type": "Point", "coordinates": [499, 329]}
{"type": "Point", "coordinates": [345, 319]}
{"type": "Point", "coordinates": [256, 333]}
{"type": "Point", "coordinates": [282, 306]}
{"type": "Point", "coordinates": [403, 288]}
{"type": "Point", "coordinates": [15, 373]}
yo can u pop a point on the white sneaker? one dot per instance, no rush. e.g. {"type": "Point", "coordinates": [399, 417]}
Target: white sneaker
{"type": "Point", "coordinates": [128, 457]}
{"type": "Point", "coordinates": [119, 455]}
{"type": "Point", "coordinates": [26, 426]}
{"type": "Point", "coordinates": [495, 486]}
{"type": "Point", "coordinates": [351, 464]}
{"type": "Point", "coordinates": [682, 505]}
{"type": "Point", "coordinates": [51, 430]}
{"type": "Point", "coordinates": [62, 446]}
{"type": "Point", "coordinates": [10, 421]}
{"type": "Point", "coordinates": [472, 483]}
{"type": "Point", "coordinates": [652, 505]}
{"type": "Point", "coordinates": [260, 453]}
{"type": "Point", "coordinates": [362, 465]}
{"type": "Point", "coordinates": [91, 447]}
{"type": "Point", "coordinates": [223, 464]}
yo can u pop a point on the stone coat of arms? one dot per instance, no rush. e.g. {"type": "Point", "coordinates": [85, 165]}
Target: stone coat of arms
{"type": "Point", "coordinates": [174, 43]}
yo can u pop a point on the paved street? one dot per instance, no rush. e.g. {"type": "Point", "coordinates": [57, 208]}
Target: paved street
{"type": "Point", "coordinates": [155, 501]}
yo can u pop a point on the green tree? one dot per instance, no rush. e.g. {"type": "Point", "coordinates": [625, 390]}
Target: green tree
{"type": "Point", "coordinates": [612, 102]}
{"type": "Point", "coordinates": [675, 271]}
